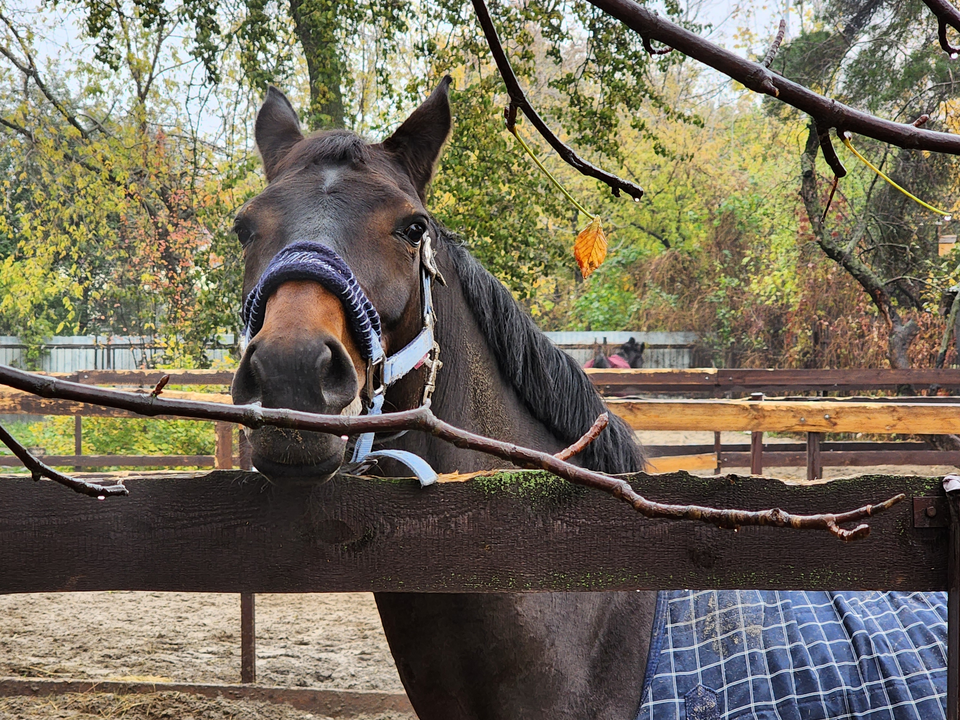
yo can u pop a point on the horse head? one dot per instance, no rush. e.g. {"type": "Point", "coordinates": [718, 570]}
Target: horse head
{"type": "Point", "coordinates": [632, 352]}
{"type": "Point", "coordinates": [340, 229]}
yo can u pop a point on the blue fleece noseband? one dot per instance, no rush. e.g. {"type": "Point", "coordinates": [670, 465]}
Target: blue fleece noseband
{"type": "Point", "coordinates": [315, 262]}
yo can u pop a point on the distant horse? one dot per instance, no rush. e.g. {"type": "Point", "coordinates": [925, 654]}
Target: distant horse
{"type": "Point", "coordinates": [629, 355]}
{"type": "Point", "coordinates": [343, 262]}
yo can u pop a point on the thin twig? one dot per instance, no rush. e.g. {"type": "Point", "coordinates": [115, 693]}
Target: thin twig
{"type": "Point", "coordinates": [518, 100]}
{"type": "Point", "coordinates": [775, 45]}
{"type": "Point", "coordinates": [588, 437]}
{"type": "Point", "coordinates": [41, 470]}
{"type": "Point", "coordinates": [161, 383]}
{"type": "Point", "coordinates": [833, 190]}
{"type": "Point", "coordinates": [423, 420]}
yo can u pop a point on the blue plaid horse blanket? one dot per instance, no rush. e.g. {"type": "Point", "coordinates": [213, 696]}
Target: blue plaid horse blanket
{"type": "Point", "coordinates": [765, 655]}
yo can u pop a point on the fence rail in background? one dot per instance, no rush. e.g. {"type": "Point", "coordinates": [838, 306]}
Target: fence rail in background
{"type": "Point", "coordinates": [619, 383]}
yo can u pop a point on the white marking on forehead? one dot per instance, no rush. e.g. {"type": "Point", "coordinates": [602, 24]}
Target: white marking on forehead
{"type": "Point", "coordinates": [331, 176]}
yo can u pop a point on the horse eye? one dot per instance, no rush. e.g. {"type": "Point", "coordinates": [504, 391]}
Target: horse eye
{"type": "Point", "coordinates": [243, 232]}
{"type": "Point", "coordinates": [414, 232]}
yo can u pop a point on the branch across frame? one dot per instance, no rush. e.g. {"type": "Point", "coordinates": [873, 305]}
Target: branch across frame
{"type": "Point", "coordinates": [423, 420]}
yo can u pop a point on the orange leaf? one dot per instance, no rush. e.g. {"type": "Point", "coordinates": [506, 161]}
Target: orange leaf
{"type": "Point", "coordinates": [590, 248]}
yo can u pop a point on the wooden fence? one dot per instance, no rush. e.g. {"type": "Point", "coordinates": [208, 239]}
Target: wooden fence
{"type": "Point", "coordinates": [228, 532]}
{"type": "Point", "coordinates": [231, 532]}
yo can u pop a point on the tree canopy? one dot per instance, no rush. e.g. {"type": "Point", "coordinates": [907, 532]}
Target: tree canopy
{"type": "Point", "coordinates": [125, 162]}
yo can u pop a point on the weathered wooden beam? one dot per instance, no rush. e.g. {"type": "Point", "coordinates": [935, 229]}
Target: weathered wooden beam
{"type": "Point", "coordinates": [616, 382]}
{"type": "Point", "coordinates": [231, 531]}
{"type": "Point", "coordinates": [328, 703]}
{"type": "Point", "coordinates": [100, 461]}
{"type": "Point", "coordinates": [16, 401]}
{"type": "Point", "coordinates": [789, 416]}
{"type": "Point", "coordinates": [149, 378]}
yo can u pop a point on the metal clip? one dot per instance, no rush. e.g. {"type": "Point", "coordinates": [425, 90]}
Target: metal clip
{"type": "Point", "coordinates": [374, 381]}
{"type": "Point", "coordinates": [433, 365]}
{"type": "Point", "coordinates": [429, 259]}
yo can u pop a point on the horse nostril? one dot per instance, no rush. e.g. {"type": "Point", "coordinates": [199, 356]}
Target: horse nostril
{"type": "Point", "coordinates": [245, 388]}
{"type": "Point", "coordinates": [337, 375]}
{"type": "Point", "coordinates": [311, 374]}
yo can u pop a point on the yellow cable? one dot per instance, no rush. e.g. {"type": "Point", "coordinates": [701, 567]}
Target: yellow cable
{"type": "Point", "coordinates": [878, 171]}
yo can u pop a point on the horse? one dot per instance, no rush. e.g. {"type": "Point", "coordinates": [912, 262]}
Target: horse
{"type": "Point", "coordinates": [355, 300]}
{"type": "Point", "coordinates": [629, 355]}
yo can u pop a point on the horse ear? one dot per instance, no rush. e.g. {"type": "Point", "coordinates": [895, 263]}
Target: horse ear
{"type": "Point", "coordinates": [277, 130]}
{"type": "Point", "coordinates": [418, 141]}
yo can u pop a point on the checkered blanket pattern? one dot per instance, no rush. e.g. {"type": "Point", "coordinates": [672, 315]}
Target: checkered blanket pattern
{"type": "Point", "coordinates": [765, 655]}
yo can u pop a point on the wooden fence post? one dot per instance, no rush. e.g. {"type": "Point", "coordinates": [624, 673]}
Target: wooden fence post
{"type": "Point", "coordinates": [814, 460]}
{"type": "Point", "coordinates": [248, 601]}
{"type": "Point", "coordinates": [951, 483]}
{"type": "Point", "coordinates": [77, 439]}
{"type": "Point", "coordinates": [718, 449]}
{"type": "Point", "coordinates": [244, 450]}
{"type": "Point", "coordinates": [756, 444]}
{"type": "Point", "coordinates": [223, 454]}
{"type": "Point", "coordinates": [248, 638]}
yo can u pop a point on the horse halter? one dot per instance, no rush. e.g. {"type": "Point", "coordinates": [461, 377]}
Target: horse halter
{"type": "Point", "coordinates": [309, 260]}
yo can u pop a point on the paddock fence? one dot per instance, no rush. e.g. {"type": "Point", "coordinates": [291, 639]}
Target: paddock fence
{"type": "Point", "coordinates": [491, 534]}
{"type": "Point", "coordinates": [231, 532]}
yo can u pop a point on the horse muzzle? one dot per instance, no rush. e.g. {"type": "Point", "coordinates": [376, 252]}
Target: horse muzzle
{"type": "Point", "coordinates": [302, 358]}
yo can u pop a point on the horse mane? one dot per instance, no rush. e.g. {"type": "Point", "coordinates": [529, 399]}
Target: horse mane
{"type": "Point", "coordinates": [549, 382]}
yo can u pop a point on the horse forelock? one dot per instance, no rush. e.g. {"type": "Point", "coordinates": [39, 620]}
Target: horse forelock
{"type": "Point", "coordinates": [549, 382]}
{"type": "Point", "coordinates": [331, 146]}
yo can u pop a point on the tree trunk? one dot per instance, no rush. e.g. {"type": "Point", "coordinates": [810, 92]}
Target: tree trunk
{"type": "Point", "coordinates": [318, 25]}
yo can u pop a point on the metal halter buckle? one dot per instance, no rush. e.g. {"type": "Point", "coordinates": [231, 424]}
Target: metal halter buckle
{"type": "Point", "coordinates": [433, 364]}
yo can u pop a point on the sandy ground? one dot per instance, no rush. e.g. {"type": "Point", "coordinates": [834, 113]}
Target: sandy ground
{"type": "Point", "coordinates": [322, 641]}
{"type": "Point", "coordinates": [332, 641]}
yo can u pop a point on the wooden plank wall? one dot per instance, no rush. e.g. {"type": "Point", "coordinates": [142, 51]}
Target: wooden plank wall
{"type": "Point", "coordinates": [230, 531]}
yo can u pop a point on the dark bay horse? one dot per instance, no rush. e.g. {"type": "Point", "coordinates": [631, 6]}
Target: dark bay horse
{"type": "Point", "coordinates": [339, 249]}
{"type": "Point", "coordinates": [459, 656]}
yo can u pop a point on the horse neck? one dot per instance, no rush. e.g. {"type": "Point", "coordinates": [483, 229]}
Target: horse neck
{"type": "Point", "coordinates": [471, 392]}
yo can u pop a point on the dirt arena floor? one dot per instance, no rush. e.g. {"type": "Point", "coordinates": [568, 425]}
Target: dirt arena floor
{"type": "Point", "coordinates": [321, 641]}
{"type": "Point", "coordinates": [317, 641]}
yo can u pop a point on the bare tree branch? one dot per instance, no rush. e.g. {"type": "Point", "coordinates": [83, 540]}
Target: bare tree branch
{"type": "Point", "coordinates": [423, 420]}
{"type": "Point", "coordinates": [40, 470]}
{"type": "Point", "coordinates": [29, 69]}
{"type": "Point", "coordinates": [947, 15]}
{"type": "Point", "coordinates": [519, 100]}
{"type": "Point", "coordinates": [827, 112]}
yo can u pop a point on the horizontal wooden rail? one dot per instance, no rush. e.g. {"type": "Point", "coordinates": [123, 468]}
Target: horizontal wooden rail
{"type": "Point", "coordinates": [710, 380]}
{"type": "Point", "coordinates": [328, 703]}
{"type": "Point", "coordinates": [790, 416]}
{"type": "Point", "coordinates": [833, 454]}
{"type": "Point", "coordinates": [16, 402]}
{"type": "Point", "coordinates": [641, 380]}
{"type": "Point", "coordinates": [96, 461]}
{"type": "Point", "coordinates": [230, 531]}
